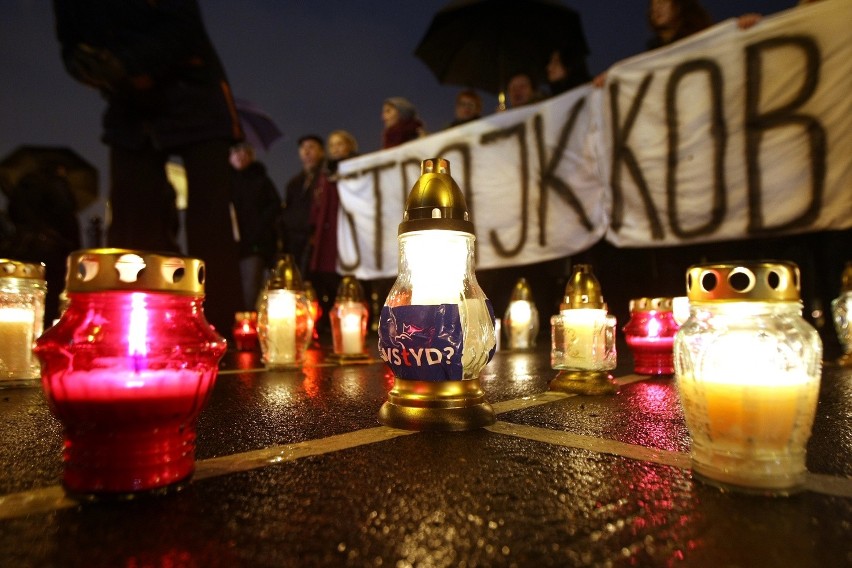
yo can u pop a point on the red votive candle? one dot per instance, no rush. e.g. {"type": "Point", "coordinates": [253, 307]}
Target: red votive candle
{"type": "Point", "coordinates": [650, 335]}
{"type": "Point", "coordinates": [245, 331]}
{"type": "Point", "coordinates": [127, 370]}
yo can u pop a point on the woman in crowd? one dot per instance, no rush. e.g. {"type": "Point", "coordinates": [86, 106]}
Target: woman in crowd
{"type": "Point", "coordinates": [401, 122]}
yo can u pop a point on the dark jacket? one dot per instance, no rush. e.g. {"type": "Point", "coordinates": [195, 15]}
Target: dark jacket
{"type": "Point", "coordinates": [256, 203]}
{"type": "Point", "coordinates": [155, 65]}
{"type": "Point", "coordinates": [403, 131]}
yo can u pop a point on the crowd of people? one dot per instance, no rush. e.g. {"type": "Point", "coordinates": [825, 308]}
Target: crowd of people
{"type": "Point", "coordinates": [167, 95]}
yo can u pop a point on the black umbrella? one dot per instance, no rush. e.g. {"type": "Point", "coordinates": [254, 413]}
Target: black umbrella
{"type": "Point", "coordinates": [260, 129]}
{"type": "Point", "coordinates": [481, 43]}
{"type": "Point", "coordinates": [82, 176]}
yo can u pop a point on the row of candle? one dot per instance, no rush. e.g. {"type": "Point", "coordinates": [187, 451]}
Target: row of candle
{"type": "Point", "coordinates": [131, 362]}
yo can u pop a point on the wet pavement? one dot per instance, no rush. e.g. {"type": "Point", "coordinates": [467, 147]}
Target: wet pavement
{"type": "Point", "coordinates": [294, 469]}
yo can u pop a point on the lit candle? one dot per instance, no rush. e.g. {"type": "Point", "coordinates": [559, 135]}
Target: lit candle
{"type": "Point", "coordinates": [583, 342]}
{"type": "Point", "coordinates": [520, 314]}
{"type": "Point", "coordinates": [747, 367]}
{"type": "Point", "coordinates": [348, 319]}
{"type": "Point", "coordinates": [245, 331]}
{"type": "Point", "coordinates": [128, 368]}
{"type": "Point", "coordinates": [436, 329]}
{"type": "Point", "coordinates": [22, 291]}
{"type": "Point", "coordinates": [350, 329]}
{"type": "Point", "coordinates": [583, 338]}
{"type": "Point", "coordinates": [16, 340]}
{"type": "Point", "coordinates": [281, 330]}
{"type": "Point", "coordinates": [650, 335]}
{"type": "Point", "coordinates": [748, 402]}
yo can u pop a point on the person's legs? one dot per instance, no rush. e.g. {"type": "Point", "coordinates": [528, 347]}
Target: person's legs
{"type": "Point", "coordinates": [251, 271]}
{"type": "Point", "coordinates": [208, 229]}
{"type": "Point", "coordinates": [142, 203]}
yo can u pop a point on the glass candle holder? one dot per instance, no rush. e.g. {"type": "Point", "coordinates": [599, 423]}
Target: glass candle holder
{"type": "Point", "coordinates": [583, 338]}
{"type": "Point", "coordinates": [748, 370]}
{"type": "Point", "coordinates": [841, 311]}
{"type": "Point", "coordinates": [128, 368]}
{"type": "Point", "coordinates": [348, 319]}
{"type": "Point", "coordinates": [521, 319]}
{"type": "Point", "coordinates": [284, 321]}
{"type": "Point", "coordinates": [650, 335]}
{"type": "Point", "coordinates": [245, 331]}
{"type": "Point", "coordinates": [22, 290]}
{"type": "Point", "coordinates": [436, 329]}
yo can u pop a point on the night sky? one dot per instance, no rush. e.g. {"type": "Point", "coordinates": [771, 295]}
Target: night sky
{"type": "Point", "coordinates": [314, 66]}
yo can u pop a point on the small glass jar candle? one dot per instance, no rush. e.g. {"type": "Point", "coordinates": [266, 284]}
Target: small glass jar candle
{"type": "Point", "coordinates": [245, 331]}
{"type": "Point", "coordinates": [22, 290]}
{"type": "Point", "coordinates": [650, 335]}
{"type": "Point", "coordinates": [128, 368]}
{"type": "Point", "coordinates": [284, 321]}
{"type": "Point", "coordinates": [841, 311]}
{"type": "Point", "coordinates": [583, 337]}
{"type": "Point", "coordinates": [348, 319]}
{"type": "Point", "coordinates": [521, 320]}
{"type": "Point", "coordinates": [748, 371]}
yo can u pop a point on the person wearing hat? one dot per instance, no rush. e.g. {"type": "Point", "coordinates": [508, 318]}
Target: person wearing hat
{"type": "Point", "coordinates": [296, 229]}
{"type": "Point", "coordinates": [401, 122]}
{"type": "Point", "coordinates": [256, 205]}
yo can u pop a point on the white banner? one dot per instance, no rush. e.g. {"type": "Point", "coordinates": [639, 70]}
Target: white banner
{"type": "Point", "coordinates": [730, 134]}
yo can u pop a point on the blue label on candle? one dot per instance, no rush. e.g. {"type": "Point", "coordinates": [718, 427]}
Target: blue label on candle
{"type": "Point", "coordinates": [422, 343]}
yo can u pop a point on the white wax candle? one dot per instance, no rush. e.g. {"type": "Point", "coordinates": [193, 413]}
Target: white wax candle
{"type": "Point", "coordinates": [16, 341]}
{"type": "Point", "coordinates": [281, 326]}
{"type": "Point", "coordinates": [350, 330]}
{"type": "Point", "coordinates": [584, 347]}
{"type": "Point", "coordinates": [520, 314]}
{"type": "Point", "coordinates": [437, 261]}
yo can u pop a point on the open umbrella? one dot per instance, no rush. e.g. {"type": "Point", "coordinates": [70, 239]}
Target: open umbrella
{"type": "Point", "coordinates": [259, 128]}
{"type": "Point", "coordinates": [82, 176]}
{"type": "Point", "coordinates": [481, 43]}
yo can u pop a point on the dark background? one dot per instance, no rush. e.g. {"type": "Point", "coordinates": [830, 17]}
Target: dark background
{"type": "Point", "coordinates": [314, 66]}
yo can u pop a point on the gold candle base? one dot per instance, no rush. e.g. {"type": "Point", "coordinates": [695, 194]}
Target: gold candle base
{"type": "Point", "coordinates": [436, 406]}
{"type": "Point", "coordinates": [584, 382]}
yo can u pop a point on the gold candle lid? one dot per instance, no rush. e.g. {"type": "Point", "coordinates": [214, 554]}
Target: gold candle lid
{"type": "Point", "coordinates": [846, 279]}
{"type": "Point", "coordinates": [350, 290]}
{"type": "Point", "coordinates": [746, 281]}
{"type": "Point", "coordinates": [114, 269]}
{"type": "Point", "coordinates": [285, 275]}
{"type": "Point", "coordinates": [435, 201]}
{"type": "Point", "coordinates": [17, 269]}
{"type": "Point", "coordinates": [583, 290]}
{"type": "Point", "coordinates": [651, 304]}
{"type": "Point", "coordinates": [521, 291]}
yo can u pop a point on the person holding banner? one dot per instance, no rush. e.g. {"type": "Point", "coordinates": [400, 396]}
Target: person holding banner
{"type": "Point", "coordinates": [401, 122]}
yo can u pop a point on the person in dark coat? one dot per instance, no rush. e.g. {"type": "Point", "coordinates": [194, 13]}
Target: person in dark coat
{"type": "Point", "coordinates": [256, 205]}
{"type": "Point", "coordinates": [47, 230]}
{"type": "Point", "coordinates": [296, 228]}
{"type": "Point", "coordinates": [167, 95]}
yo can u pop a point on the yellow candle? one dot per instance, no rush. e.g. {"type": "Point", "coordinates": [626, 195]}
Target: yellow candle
{"type": "Point", "coordinates": [16, 342]}
{"type": "Point", "coordinates": [748, 408]}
